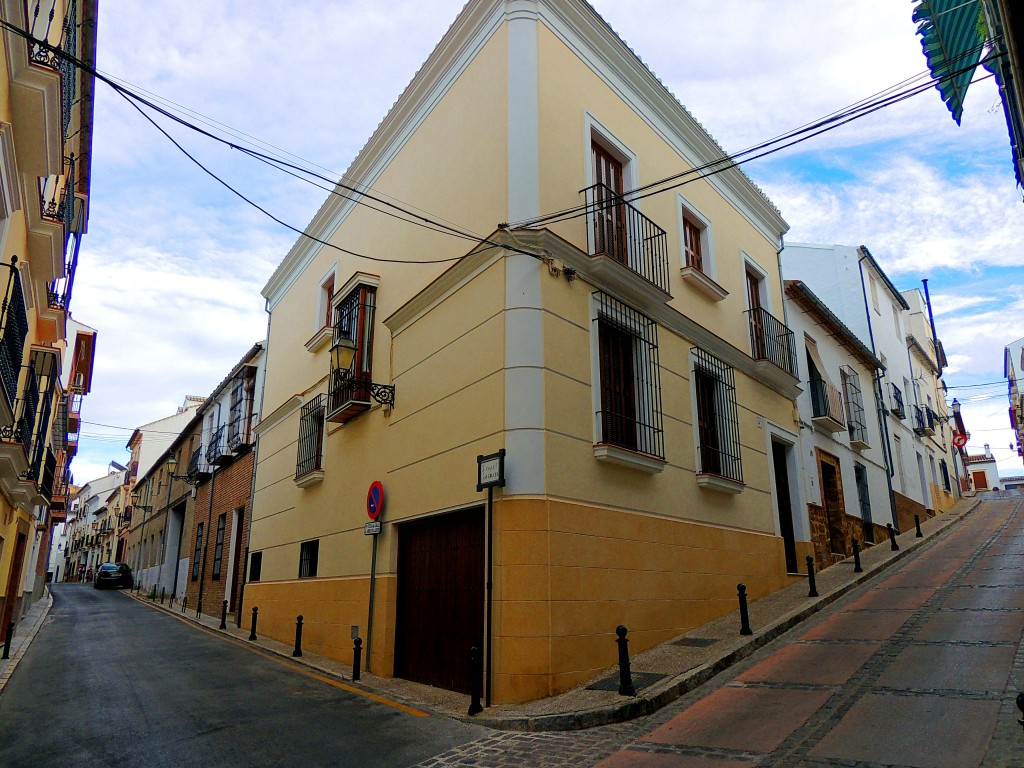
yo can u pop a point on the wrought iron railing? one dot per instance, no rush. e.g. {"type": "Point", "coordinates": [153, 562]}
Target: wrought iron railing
{"type": "Point", "coordinates": [826, 401]}
{"type": "Point", "coordinates": [919, 422]}
{"type": "Point", "coordinates": [217, 446]}
{"type": "Point", "coordinates": [931, 421]}
{"type": "Point", "coordinates": [897, 408]}
{"type": "Point", "coordinates": [623, 234]}
{"type": "Point", "coordinates": [238, 432]}
{"type": "Point", "coordinates": [198, 467]}
{"type": "Point", "coordinates": [347, 391]}
{"type": "Point", "coordinates": [311, 437]}
{"type": "Point", "coordinates": [13, 331]}
{"type": "Point", "coordinates": [771, 340]}
{"type": "Point", "coordinates": [718, 425]}
{"type": "Point", "coordinates": [46, 482]}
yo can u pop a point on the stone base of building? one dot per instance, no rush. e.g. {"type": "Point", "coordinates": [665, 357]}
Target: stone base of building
{"type": "Point", "coordinates": [828, 552]}
{"type": "Point", "coordinates": [565, 575]}
{"type": "Point", "coordinates": [906, 508]}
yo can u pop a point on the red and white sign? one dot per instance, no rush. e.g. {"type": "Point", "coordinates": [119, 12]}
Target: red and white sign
{"type": "Point", "coordinates": [375, 499]}
{"type": "Point", "coordinates": [959, 440]}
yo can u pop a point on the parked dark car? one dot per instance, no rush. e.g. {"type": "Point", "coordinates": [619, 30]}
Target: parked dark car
{"type": "Point", "coordinates": [113, 575]}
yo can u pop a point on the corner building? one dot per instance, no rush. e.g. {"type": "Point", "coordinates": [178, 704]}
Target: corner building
{"type": "Point", "coordinates": [630, 357]}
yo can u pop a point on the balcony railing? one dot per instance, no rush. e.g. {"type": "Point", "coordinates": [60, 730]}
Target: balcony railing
{"type": "Point", "coordinates": [771, 340]}
{"type": "Point", "coordinates": [348, 395]}
{"type": "Point", "coordinates": [217, 450]}
{"type": "Point", "coordinates": [198, 467]}
{"type": "Point", "coordinates": [919, 423]}
{"type": "Point", "coordinates": [896, 408]}
{"type": "Point", "coordinates": [13, 331]}
{"type": "Point", "coordinates": [827, 406]}
{"type": "Point", "coordinates": [931, 421]}
{"type": "Point", "coordinates": [46, 482]}
{"type": "Point", "coordinates": [623, 234]}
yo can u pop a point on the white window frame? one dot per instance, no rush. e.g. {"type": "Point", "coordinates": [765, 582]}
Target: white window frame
{"type": "Point", "coordinates": [749, 265]}
{"type": "Point", "coordinates": [705, 280]}
{"type": "Point", "coordinates": [593, 129]}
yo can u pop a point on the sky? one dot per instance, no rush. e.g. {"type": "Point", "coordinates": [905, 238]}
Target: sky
{"type": "Point", "coordinates": [172, 265]}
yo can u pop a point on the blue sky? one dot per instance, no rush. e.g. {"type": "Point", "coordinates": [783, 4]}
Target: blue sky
{"type": "Point", "coordinates": [171, 269]}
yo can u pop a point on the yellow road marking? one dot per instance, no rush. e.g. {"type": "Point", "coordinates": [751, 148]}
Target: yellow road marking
{"type": "Point", "coordinates": [302, 670]}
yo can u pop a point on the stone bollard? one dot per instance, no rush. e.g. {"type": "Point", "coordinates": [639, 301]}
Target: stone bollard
{"type": "Point", "coordinates": [476, 671]}
{"type": "Point", "coordinates": [812, 587]}
{"type": "Point", "coordinates": [917, 526]}
{"type": "Point", "coordinates": [252, 632]}
{"type": "Point", "coordinates": [298, 636]}
{"type": "Point", "coordinates": [625, 676]}
{"type": "Point", "coordinates": [856, 557]}
{"type": "Point", "coordinates": [224, 615]}
{"type": "Point", "coordinates": [357, 656]}
{"type": "Point", "coordinates": [744, 616]}
{"type": "Point", "coordinates": [892, 538]}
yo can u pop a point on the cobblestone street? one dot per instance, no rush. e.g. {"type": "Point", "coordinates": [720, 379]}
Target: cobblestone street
{"type": "Point", "coordinates": [920, 667]}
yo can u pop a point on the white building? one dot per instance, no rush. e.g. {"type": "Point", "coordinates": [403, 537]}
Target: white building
{"type": "Point", "coordinates": [846, 481]}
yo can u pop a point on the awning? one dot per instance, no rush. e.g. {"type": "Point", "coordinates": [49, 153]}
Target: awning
{"type": "Point", "coordinates": [952, 39]}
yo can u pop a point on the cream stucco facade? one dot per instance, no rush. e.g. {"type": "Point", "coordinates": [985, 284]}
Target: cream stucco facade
{"type": "Point", "coordinates": [510, 343]}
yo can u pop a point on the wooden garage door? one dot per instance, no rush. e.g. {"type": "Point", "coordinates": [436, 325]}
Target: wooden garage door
{"type": "Point", "coordinates": [440, 598]}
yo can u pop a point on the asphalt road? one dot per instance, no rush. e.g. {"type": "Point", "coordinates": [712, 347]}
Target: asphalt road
{"type": "Point", "coordinates": [110, 682]}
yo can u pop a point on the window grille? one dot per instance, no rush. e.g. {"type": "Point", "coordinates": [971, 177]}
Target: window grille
{"type": "Point", "coordinates": [630, 413]}
{"type": "Point", "coordinates": [945, 475]}
{"type": "Point", "coordinates": [198, 550]}
{"type": "Point", "coordinates": [309, 552]}
{"type": "Point", "coordinates": [718, 426]}
{"type": "Point", "coordinates": [218, 547]}
{"type": "Point", "coordinates": [854, 405]}
{"type": "Point", "coordinates": [311, 437]}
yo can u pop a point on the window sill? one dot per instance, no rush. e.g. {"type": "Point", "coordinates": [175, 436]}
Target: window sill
{"type": "Point", "coordinates": [703, 283]}
{"type": "Point", "coordinates": [310, 478]}
{"type": "Point", "coordinates": [719, 483]}
{"type": "Point", "coordinates": [627, 458]}
{"type": "Point", "coordinates": [320, 339]}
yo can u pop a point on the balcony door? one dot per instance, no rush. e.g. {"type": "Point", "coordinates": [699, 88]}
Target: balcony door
{"type": "Point", "coordinates": [609, 214]}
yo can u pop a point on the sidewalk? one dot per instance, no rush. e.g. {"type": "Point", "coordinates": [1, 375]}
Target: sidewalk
{"type": "Point", "coordinates": [669, 670]}
{"type": "Point", "coordinates": [24, 632]}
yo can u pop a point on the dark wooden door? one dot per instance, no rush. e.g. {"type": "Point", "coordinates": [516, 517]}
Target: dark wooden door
{"type": "Point", "coordinates": [785, 506]}
{"type": "Point", "coordinates": [440, 598]}
{"type": "Point", "coordinates": [832, 500]}
{"type": "Point", "coordinates": [609, 213]}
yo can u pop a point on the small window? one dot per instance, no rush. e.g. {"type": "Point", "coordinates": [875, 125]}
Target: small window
{"type": "Point", "coordinates": [693, 245]}
{"type": "Point", "coordinates": [309, 552]}
{"type": "Point", "coordinates": [255, 566]}
{"type": "Point", "coordinates": [873, 286]}
{"type": "Point", "coordinates": [218, 547]}
{"type": "Point", "coordinates": [198, 551]}
{"type": "Point", "coordinates": [718, 431]}
{"type": "Point", "coordinates": [896, 320]}
{"type": "Point", "coordinates": [327, 300]}
{"type": "Point", "coordinates": [311, 438]}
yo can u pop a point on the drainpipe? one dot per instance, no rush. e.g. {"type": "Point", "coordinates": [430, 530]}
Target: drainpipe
{"type": "Point", "coordinates": [209, 521]}
{"type": "Point", "coordinates": [883, 423]}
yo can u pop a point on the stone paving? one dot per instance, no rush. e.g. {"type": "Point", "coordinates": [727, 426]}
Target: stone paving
{"type": "Point", "coordinates": [24, 632]}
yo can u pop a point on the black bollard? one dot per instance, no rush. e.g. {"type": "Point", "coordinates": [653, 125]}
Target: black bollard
{"type": "Point", "coordinates": [163, 594]}
{"type": "Point", "coordinates": [298, 636]}
{"type": "Point", "coordinates": [892, 538]}
{"type": "Point", "coordinates": [184, 603]}
{"type": "Point", "coordinates": [856, 557]}
{"type": "Point", "coordinates": [744, 616]}
{"type": "Point", "coordinates": [199, 608]}
{"type": "Point", "coordinates": [357, 656]}
{"type": "Point", "coordinates": [625, 676]}
{"type": "Point", "coordinates": [917, 525]}
{"type": "Point", "coordinates": [813, 589]}
{"type": "Point", "coordinates": [224, 615]}
{"type": "Point", "coordinates": [476, 670]}
{"type": "Point", "coordinates": [252, 632]}
{"type": "Point", "coordinates": [1020, 706]}
{"type": "Point", "coordinates": [8, 639]}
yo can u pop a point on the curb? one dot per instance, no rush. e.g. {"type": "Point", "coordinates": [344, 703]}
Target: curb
{"type": "Point", "coordinates": [16, 658]}
{"type": "Point", "coordinates": [687, 681]}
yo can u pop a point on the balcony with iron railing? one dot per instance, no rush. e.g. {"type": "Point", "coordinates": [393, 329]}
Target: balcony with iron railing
{"type": "Point", "coordinates": [13, 332]}
{"type": "Point", "coordinates": [217, 450]}
{"type": "Point", "coordinates": [771, 341]}
{"type": "Point", "coordinates": [896, 407]}
{"type": "Point", "coordinates": [621, 238]}
{"type": "Point", "coordinates": [920, 427]}
{"type": "Point", "coordinates": [238, 432]}
{"type": "Point", "coordinates": [826, 406]}
{"type": "Point", "coordinates": [931, 421]}
{"type": "Point", "coordinates": [198, 467]}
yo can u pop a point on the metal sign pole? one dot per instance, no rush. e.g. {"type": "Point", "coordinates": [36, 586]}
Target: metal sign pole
{"type": "Point", "coordinates": [373, 584]}
{"type": "Point", "coordinates": [490, 585]}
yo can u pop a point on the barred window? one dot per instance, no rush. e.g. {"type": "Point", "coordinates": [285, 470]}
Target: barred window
{"type": "Point", "coordinates": [309, 552]}
{"type": "Point", "coordinates": [629, 414]}
{"type": "Point", "coordinates": [944, 469]}
{"type": "Point", "coordinates": [255, 566]}
{"type": "Point", "coordinates": [311, 437]}
{"type": "Point", "coordinates": [718, 427]}
{"type": "Point", "coordinates": [198, 550]}
{"type": "Point", "coordinates": [854, 405]}
{"type": "Point", "coordinates": [218, 547]}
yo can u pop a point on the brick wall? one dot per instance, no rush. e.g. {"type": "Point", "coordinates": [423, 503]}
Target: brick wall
{"type": "Point", "coordinates": [232, 488]}
{"type": "Point", "coordinates": [853, 528]}
{"type": "Point", "coordinates": [905, 510]}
